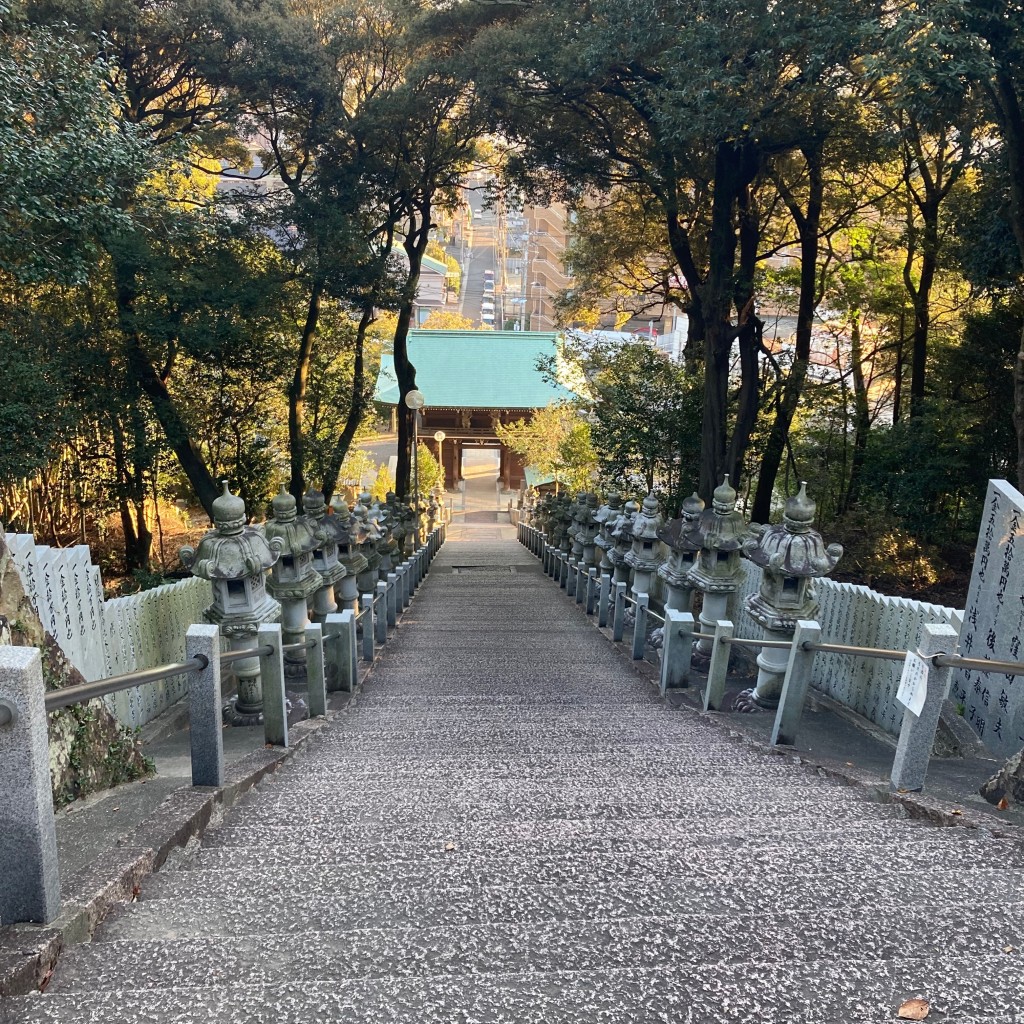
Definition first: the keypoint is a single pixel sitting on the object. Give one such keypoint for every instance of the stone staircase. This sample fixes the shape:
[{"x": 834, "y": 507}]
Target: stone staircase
[{"x": 509, "y": 826}]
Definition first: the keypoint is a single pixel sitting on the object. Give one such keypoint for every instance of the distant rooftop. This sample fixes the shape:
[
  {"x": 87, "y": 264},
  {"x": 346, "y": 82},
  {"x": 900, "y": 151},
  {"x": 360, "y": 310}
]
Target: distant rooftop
[{"x": 477, "y": 370}]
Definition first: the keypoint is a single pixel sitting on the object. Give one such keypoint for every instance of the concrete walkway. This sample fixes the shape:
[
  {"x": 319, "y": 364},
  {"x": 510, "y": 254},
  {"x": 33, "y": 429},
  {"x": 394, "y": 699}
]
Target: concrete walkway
[{"x": 510, "y": 826}]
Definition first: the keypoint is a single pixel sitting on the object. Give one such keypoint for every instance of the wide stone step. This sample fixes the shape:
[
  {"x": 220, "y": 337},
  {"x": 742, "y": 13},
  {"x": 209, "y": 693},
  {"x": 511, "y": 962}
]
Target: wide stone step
[
  {"x": 264, "y": 901},
  {"x": 704, "y": 942},
  {"x": 970, "y": 991},
  {"x": 460, "y": 865},
  {"x": 396, "y": 808},
  {"x": 457, "y": 870},
  {"x": 560, "y": 834}
]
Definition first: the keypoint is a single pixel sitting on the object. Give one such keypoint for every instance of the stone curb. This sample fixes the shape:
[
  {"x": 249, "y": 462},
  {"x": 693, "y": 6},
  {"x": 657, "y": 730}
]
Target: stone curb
[{"x": 29, "y": 953}]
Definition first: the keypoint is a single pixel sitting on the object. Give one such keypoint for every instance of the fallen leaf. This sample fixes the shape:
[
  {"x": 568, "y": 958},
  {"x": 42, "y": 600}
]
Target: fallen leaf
[
  {"x": 449, "y": 847},
  {"x": 913, "y": 1009},
  {"x": 1009, "y": 949},
  {"x": 956, "y": 812},
  {"x": 1003, "y": 804}
]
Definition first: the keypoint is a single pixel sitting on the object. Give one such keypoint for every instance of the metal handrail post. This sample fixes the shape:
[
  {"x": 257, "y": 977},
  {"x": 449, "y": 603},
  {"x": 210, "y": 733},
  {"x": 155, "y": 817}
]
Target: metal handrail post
[
  {"x": 640, "y": 626},
  {"x": 619, "y": 616},
  {"x": 205, "y": 711},
  {"x": 368, "y": 627},
  {"x": 275, "y": 714},
  {"x": 316, "y": 671},
  {"x": 714, "y": 694},
  {"x": 603, "y": 599},
  {"x": 381, "y": 614},
  {"x": 676, "y": 651},
  {"x": 28, "y": 859},
  {"x": 591, "y": 589},
  {"x": 917, "y": 733},
  {"x": 796, "y": 682}
]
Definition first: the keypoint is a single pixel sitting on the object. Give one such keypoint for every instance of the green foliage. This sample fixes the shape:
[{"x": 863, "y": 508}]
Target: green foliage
[
  {"x": 428, "y": 472},
  {"x": 556, "y": 443},
  {"x": 384, "y": 482}
]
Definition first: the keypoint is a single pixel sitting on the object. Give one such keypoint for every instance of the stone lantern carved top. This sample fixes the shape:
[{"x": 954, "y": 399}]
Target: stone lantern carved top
[
  {"x": 682, "y": 534},
  {"x": 231, "y": 550},
  {"x": 792, "y": 547},
  {"x": 325, "y": 556},
  {"x": 721, "y": 527},
  {"x": 622, "y": 533},
  {"x": 645, "y": 553},
  {"x": 347, "y": 530},
  {"x": 610, "y": 509},
  {"x": 296, "y": 534}
]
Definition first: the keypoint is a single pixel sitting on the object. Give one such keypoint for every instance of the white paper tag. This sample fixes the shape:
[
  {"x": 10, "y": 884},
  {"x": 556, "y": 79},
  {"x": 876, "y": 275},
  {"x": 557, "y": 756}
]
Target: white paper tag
[{"x": 913, "y": 683}]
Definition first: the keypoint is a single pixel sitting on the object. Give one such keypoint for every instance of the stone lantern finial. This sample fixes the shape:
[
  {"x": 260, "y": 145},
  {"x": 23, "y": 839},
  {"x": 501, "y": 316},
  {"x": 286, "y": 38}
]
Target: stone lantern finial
[
  {"x": 228, "y": 511},
  {"x": 283, "y": 506}
]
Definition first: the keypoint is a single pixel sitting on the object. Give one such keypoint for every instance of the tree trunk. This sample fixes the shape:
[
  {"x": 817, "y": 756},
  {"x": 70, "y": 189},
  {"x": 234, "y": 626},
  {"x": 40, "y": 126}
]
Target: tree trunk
[
  {"x": 357, "y": 410},
  {"x": 149, "y": 382},
  {"x": 297, "y": 393},
  {"x": 861, "y": 415},
  {"x": 415, "y": 245},
  {"x": 808, "y": 226},
  {"x": 921, "y": 298}
]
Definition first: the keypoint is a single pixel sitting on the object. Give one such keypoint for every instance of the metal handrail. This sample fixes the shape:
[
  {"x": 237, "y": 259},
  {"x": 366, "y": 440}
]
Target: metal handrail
[
  {"x": 654, "y": 615},
  {"x": 1004, "y": 668},
  {"x": 859, "y": 652},
  {"x": 101, "y": 687}
]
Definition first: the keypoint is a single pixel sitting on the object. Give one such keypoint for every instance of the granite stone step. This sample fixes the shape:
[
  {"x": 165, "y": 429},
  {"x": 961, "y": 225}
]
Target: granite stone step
[
  {"x": 229, "y": 845},
  {"x": 700, "y": 941},
  {"x": 455, "y": 809},
  {"x": 970, "y": 991},
  {"x": 322, "y": 900},
  {"x": 462, "y": 865},
  {"x": 456, "y": 869},
  {"x": 558, "y": 833}
]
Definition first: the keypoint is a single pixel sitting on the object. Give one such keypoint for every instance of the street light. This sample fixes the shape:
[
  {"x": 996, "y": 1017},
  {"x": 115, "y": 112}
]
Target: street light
[
  {"x": 415, "y": 401},
  {"x": 439, "y": 437}
]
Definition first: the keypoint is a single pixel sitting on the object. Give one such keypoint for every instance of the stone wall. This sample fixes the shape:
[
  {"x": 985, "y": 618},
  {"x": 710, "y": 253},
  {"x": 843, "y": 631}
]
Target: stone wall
[
  {"x": 105, "y": 638},
  {"x": 89, "y": 749}
]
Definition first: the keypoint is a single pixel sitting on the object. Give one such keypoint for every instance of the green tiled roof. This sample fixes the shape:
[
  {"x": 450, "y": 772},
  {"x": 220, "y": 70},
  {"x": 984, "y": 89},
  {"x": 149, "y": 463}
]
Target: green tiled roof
[
  {"x": 477, "y": 370},
  {"x": 435, "y": 265}
]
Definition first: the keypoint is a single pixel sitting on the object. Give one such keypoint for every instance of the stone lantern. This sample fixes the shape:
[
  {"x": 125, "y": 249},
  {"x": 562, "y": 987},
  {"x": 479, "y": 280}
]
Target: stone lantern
[
  {"x": 792, "y": 555},
  {"x": 367, "y": 538},
  {"x": 234, "y": 558},
  {"x": 606, "y": 517},
  {"x": 325, "y": 555},
  {"x": 573, "y": 527},
  {"x": 562, "y": 521},
  {"x": 293, "y": 580},
  {"x": 682, "y": 538},
  {"x": 586, "y": 529},
  {"x": 622, "y": 534},
  {"x": 346, "y": 591},
  {"x": 717, "y": 571},
  {"x": 645, "y": 555}
]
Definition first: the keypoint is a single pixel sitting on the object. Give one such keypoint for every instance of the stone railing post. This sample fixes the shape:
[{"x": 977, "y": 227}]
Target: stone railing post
[
  {"x": 28, "y": 850},
  {"x": 340, "y": 651},
  {"x": 604, "y": 599},
  {"x": 205, "y": 714},
  {"x": 393, "y": 598},
  {"x": 571, "y": 580},
  {"x": 582, "y": 582},
  {"x": 640, "y": 603},
  {"x": 676, "y": 651},
  {"x": 275, "y": 708},
  {"x": 619, "y": 615},
  {"x": 795, "y": 683},
  {"x": 917, "y": 734},
  {"x": 715, "y": 692},
  {"x": 316, "y": 671},
  {"x": 368, "y": 627},
  {"x": 381, "y": 613},
  {"x": 591, "y": 589}
]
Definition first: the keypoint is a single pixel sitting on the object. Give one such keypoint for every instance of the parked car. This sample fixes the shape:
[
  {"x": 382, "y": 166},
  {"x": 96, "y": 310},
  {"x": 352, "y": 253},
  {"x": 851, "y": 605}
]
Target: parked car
[
  {"x": 488, "y": 287},
  {"x": 487, "y": 316},
  {"x": 489, "y": 275},
  {"x": 487, "y": 304}
]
